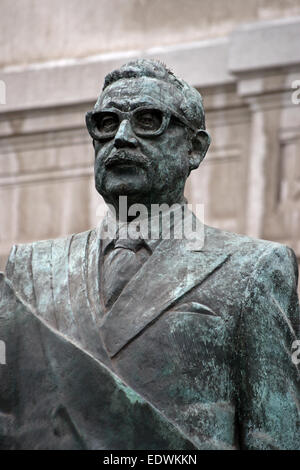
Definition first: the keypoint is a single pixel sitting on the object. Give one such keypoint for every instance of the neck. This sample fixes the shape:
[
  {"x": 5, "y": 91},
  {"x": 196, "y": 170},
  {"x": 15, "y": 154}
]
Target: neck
[{"x": 127, "y": 208}]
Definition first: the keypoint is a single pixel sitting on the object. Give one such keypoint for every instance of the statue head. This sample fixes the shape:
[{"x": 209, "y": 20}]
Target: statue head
[{"x": 148, "y": 130}]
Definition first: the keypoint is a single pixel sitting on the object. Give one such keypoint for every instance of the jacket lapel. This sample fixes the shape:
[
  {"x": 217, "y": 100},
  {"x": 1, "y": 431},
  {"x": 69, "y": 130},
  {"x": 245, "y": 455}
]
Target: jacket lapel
[
  {"x": 92, "y": 271},
  {"x": 168, "y": 274},
  {"x": 84, "y": 306}
]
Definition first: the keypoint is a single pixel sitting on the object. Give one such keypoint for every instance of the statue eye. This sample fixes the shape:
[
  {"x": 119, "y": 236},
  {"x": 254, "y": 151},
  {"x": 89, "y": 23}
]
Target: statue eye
[
  {"x": 148, "y": 120},
  {"x": 108, "y": 123}
]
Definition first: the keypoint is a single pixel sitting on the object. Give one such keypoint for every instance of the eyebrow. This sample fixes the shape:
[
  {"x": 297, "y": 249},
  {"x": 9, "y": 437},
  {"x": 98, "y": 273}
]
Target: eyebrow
[{"x": 132, "y": 105}]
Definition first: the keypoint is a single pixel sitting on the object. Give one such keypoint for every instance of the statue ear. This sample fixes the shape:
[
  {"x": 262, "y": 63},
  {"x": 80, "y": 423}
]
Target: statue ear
[{"x": 200, "y": 144}]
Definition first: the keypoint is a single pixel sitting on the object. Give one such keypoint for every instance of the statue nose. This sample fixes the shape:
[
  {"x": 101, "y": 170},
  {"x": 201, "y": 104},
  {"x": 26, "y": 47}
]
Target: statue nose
[{"x": 125, "y": 136}]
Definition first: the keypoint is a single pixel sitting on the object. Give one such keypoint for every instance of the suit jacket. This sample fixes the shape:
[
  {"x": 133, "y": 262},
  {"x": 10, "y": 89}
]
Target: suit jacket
[{"x": 201, "y": 339}]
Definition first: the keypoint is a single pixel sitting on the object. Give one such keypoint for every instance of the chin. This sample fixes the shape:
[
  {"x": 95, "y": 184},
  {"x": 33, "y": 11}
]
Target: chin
[
  {"x": 122, "y": 190},
  {"x": 123, "y": 185}
]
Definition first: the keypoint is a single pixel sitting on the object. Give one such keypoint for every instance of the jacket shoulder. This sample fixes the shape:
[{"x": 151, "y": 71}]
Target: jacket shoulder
[
  {"x": 243, "y": 245},
  {"x": 30, "y": 266},
  {"x": 253, "y": 257}
]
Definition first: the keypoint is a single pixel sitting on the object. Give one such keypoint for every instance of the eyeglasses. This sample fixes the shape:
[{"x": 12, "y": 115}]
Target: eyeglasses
[{"x": 145, "y": 122}]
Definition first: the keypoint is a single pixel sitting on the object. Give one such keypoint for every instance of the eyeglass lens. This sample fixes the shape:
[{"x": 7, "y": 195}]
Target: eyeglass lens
[{"x": 143, "y": 122}]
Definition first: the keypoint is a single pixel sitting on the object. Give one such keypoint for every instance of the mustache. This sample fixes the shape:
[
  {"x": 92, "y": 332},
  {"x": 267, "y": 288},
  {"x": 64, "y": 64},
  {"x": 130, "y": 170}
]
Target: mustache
[{"x": 126, "y": 157}]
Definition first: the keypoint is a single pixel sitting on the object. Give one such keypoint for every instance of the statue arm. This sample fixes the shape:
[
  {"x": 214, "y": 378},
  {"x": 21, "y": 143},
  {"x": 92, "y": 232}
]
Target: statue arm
[
  {"x": 7, "y": 369},
  {"x": 269, "y": 381},
  {"x": 55, "y": 395}
]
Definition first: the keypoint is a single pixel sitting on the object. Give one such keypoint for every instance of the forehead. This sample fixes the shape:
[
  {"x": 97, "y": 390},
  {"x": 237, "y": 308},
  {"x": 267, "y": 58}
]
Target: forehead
[{"x": 129, "y": 93}]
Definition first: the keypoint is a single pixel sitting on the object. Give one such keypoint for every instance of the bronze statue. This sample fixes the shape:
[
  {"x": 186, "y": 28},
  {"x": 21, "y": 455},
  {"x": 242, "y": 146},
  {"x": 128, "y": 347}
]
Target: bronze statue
[{"x": 144, "y": 342}]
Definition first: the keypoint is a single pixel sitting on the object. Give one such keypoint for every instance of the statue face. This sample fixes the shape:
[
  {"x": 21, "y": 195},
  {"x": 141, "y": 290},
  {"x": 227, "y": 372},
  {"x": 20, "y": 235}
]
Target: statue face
[{"x": 143, "y": 148}]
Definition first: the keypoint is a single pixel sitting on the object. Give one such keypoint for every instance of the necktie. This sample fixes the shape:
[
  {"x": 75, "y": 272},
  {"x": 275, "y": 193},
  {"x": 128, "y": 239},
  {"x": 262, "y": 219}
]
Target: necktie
[{"x": 120, "y": 264}]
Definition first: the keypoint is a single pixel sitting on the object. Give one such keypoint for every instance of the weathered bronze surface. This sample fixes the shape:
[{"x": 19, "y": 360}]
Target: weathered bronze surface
[{"x": 153, "y": 345}]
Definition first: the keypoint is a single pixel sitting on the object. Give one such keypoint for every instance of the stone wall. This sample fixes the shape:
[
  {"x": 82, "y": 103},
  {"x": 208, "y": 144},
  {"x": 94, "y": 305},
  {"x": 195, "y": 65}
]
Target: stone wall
[
  {"x": 44, "y": 30},
  {"x": 250, "y": 179}
]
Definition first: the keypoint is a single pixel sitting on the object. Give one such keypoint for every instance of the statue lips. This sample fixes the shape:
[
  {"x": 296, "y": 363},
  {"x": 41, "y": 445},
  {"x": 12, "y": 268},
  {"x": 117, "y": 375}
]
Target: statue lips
[{"x": 127, "y": 159}]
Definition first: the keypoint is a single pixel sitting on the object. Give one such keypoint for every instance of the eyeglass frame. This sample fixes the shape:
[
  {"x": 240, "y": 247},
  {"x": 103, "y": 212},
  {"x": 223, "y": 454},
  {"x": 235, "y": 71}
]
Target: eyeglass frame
[{"x": 167, "y": 113}]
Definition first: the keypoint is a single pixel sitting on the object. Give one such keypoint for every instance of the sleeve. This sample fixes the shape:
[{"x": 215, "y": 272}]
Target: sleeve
[
  {"x": 55, "y": 395},
  {"x": 7, "y": 370},
  {"x": 269, "y": 387}
]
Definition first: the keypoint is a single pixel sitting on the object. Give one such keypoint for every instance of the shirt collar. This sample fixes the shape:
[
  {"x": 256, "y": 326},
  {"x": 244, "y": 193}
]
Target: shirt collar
[{"x": 157, "y": 225}]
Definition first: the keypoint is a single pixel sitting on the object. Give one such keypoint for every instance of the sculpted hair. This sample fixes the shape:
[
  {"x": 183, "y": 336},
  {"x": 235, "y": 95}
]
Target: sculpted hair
[{"x": 191, "y": 105}]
